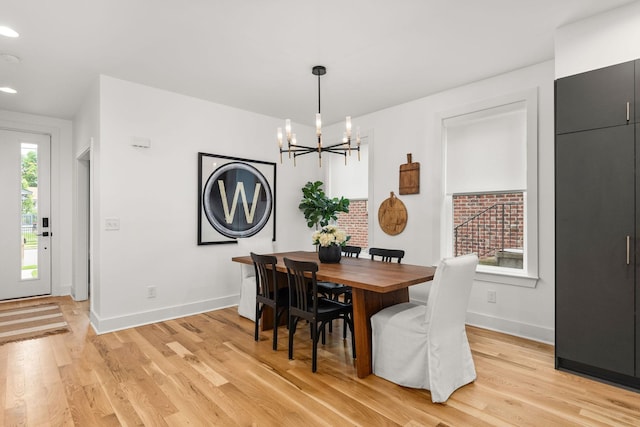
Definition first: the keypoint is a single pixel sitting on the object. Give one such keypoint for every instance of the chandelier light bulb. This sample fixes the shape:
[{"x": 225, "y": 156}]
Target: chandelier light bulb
[
  {"x": 318, "y": 124},
  {"x": 280, "y": 137},
  {"x": 287, "y": 129}
]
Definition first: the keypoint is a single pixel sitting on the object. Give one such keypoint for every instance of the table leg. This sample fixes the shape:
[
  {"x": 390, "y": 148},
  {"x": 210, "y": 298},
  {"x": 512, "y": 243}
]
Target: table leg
[{"x": 366, "y": 304}]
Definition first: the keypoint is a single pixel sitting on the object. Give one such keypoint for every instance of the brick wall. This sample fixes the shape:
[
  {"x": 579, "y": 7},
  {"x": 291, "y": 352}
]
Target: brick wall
[
  {"x": 492, "y": 230},
  {"x": 356, "y": 223}
]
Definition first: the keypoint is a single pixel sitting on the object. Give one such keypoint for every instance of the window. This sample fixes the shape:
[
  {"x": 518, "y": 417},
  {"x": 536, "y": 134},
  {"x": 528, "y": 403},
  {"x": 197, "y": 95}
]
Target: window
[
  {"x": 29, "y": 197},
  {"x": 490, "y": 225},
  {"x": 490, "y": 191},
  {"x": 352, "y": 182}
]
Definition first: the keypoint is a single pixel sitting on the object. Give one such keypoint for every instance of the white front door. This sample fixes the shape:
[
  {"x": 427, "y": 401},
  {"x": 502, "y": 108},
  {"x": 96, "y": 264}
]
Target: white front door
[{"x": 25, "y": 221}]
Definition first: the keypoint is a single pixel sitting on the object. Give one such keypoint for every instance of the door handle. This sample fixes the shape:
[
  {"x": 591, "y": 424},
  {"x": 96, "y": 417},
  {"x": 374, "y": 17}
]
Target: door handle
[
  {"x": 46, "y": 234},
  {"x": 628, "y": 259},
  {"x": 628, "y": 112}
]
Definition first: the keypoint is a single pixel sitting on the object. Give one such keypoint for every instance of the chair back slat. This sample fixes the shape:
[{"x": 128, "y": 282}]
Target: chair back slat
[
  {"x": 351, "y": 251},
  {"x": 299, "y": 290},
  {"x": 265, "y": 267},
  {"x": 387, "y": 255}
]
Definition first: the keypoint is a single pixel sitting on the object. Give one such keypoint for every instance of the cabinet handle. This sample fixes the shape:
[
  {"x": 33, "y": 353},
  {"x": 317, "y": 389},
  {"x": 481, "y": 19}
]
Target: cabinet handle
[
  {"x": 628, "y": 250},
  {"x": 627, "y": 111}
]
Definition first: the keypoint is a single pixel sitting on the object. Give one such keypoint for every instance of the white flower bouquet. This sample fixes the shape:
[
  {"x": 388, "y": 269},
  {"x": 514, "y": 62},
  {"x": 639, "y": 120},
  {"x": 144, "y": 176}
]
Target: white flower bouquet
[{"x": 330, "y": 235}]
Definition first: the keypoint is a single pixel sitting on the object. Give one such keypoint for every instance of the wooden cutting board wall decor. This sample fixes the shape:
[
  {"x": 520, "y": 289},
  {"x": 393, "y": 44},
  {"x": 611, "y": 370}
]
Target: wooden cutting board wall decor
[
  {"x": 392, "y": 215},
  {"x": 410, "y": 177}
]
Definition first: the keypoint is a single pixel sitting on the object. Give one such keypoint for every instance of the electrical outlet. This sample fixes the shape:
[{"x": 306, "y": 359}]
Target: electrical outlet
[
  {"x": 491, "y": 296},
  {"x": 151, "y": 291},
  {"x": 112, "y": 224}
]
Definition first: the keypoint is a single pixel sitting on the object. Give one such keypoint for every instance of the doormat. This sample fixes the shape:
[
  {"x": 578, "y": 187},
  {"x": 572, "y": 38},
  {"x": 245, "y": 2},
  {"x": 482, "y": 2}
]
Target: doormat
[{"x": 36, "y": 321}]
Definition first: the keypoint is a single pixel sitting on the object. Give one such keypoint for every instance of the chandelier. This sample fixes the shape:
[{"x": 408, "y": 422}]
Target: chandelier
[{"x": 343, "y": 148}]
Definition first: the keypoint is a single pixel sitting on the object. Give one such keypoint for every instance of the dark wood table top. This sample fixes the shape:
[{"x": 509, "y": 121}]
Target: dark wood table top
[{"x": 360, "y": 273}]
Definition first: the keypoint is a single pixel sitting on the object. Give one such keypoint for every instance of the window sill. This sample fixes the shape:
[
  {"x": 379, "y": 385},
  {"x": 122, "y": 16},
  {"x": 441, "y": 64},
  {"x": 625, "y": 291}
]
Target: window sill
[{"x": 505, "y": 277}]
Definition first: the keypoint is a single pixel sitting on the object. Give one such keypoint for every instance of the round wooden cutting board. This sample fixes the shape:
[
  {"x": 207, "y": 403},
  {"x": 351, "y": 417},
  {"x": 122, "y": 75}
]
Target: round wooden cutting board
[{"x": 392, "y": 215}]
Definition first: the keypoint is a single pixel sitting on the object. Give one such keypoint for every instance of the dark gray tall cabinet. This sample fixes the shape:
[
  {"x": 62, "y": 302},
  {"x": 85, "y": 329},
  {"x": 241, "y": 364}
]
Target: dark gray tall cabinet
[{"x": 597, "y": 202}]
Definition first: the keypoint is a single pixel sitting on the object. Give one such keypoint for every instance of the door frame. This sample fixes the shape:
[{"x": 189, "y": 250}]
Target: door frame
[
  {"x": 81, "y": 226},
  {"x": 60, "y": 132}
]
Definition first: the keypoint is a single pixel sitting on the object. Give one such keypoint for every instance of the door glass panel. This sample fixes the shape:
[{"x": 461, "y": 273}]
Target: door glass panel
[{"x": 29, "y": 223}]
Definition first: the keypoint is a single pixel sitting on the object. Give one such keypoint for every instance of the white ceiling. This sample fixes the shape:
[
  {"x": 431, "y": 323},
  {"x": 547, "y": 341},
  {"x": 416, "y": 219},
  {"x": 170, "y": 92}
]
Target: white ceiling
[{"x": 257, "y": 54}]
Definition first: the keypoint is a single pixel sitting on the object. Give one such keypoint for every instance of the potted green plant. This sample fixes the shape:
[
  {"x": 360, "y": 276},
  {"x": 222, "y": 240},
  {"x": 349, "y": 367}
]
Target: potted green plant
[{"x": 318, "y": 208}]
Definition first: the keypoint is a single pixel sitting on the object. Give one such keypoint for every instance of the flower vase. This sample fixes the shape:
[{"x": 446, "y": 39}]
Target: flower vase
[{"x": 330, "y": 254}]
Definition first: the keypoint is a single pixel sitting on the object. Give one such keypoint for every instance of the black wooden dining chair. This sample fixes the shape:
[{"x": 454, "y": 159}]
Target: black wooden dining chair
[
  {"x": 387, "y": 255},
  {"x": 268, "y": 294},
  {"x": 307, "y": 304},
  {"x": 333, "y": 290}
]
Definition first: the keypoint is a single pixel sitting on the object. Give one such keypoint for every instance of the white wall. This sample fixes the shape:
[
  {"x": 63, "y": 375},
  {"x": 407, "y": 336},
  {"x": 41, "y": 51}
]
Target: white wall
[
  {"x": 412, "y": 128},
  {"x": 154, "y": 194},
  {"x": 351, "y": 180},
  {"x": 86, "y": 130},
  {"x": 61, "y": 206},
  {"x": 599, "y": 41}
]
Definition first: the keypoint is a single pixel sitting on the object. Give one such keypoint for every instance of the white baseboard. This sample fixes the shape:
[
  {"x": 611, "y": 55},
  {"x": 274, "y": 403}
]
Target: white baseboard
[
  {"x": 111, "y": 324},
  {"x": 506, "y": 326},
  {"x": 61, "y": 290},
  {"x": 512, "y": 327}
]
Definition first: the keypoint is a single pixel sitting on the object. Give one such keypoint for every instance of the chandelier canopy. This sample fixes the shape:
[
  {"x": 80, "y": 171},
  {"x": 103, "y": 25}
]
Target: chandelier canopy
[{"x": 343, "y": 148}]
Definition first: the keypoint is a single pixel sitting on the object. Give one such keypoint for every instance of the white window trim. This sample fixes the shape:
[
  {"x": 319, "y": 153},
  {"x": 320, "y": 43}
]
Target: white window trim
[{"x": 528, "y": 276}]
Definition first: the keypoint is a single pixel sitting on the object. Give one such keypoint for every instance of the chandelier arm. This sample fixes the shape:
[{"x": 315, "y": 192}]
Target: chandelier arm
[
  {"x": 303, "y": 149},
  {"x": 338, "y": 144},
  {"x": 299, "y": 147},
  {"x": 301, "y": 153},
  {"x": 341, "y": 152}
]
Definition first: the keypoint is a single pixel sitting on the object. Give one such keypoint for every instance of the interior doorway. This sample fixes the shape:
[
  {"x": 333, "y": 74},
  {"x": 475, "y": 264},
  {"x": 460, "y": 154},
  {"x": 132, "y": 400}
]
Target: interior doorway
[{"x": 82, "y": 228}]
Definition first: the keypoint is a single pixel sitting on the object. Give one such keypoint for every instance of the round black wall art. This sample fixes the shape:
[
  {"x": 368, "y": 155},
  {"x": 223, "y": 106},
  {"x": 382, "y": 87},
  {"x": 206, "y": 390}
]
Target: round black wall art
[{"x": 237, "y": 200}]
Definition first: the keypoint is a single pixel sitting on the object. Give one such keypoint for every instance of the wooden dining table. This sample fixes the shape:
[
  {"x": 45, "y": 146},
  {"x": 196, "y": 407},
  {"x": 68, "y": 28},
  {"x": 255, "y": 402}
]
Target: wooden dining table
[{"x": 375, "y": 285}]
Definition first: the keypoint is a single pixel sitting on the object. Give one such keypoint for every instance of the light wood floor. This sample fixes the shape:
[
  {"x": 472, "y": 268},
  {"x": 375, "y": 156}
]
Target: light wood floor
[{"x": 207, "y": 370}]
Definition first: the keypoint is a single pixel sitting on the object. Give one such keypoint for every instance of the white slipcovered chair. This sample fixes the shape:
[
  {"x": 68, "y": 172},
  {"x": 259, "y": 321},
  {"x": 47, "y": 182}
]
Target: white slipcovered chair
[
  {"x": 426, "y": 346},
  {"x": 258, "y": 245}
]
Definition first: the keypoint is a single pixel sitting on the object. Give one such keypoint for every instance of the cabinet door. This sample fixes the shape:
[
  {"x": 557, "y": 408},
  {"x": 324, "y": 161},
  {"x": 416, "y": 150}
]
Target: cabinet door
[
  {"x": 638, "y": 254},
  {"x": 595, "y": 198},
  {"x": 595, "y": 99},
  {"x": 637, "y": 103}
]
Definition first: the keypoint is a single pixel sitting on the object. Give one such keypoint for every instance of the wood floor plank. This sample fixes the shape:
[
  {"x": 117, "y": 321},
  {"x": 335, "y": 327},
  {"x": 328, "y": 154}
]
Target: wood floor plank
[
  {"x": 206, "y": 369},
  {"x": 58, "y": 405},
  {"x": 77, "y": 401},
  {"x": 194, "y": 407}
]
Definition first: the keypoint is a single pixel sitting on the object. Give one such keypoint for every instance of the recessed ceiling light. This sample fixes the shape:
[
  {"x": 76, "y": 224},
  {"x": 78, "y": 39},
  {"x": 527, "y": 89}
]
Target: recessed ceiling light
[
  {"x": 7, "y": 89},
  {"x": 8, "y": 32}
]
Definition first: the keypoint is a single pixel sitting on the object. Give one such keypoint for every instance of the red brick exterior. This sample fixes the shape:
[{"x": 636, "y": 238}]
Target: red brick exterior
[
  {"x": 500, "y": 223},
  {"x": 356, "y": 223}
]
